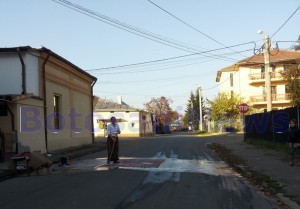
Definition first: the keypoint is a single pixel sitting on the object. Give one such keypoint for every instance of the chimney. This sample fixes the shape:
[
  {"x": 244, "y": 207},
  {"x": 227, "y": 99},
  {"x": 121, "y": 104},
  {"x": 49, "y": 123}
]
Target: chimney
[{"x": 119, "y": 100}]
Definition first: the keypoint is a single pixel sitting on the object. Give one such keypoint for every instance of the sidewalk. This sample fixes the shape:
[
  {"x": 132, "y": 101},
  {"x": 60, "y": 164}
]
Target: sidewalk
[
  {"x": 71, "y": 153},
  {"x": 269, "y": 162}
]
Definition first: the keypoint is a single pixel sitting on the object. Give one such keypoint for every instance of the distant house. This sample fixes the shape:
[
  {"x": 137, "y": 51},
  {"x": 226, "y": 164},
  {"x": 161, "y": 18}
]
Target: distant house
[
  {"x": 247, "y": 78},
  {"x": 45, "y": 100},
  {"x": 133, "y": 122}
]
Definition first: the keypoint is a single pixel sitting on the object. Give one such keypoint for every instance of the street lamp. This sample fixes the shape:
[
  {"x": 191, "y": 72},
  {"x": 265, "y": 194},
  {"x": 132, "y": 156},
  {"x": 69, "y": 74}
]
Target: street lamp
[
  {"x": 200, "y": 109},
  {"x": 267, "y": 70}
]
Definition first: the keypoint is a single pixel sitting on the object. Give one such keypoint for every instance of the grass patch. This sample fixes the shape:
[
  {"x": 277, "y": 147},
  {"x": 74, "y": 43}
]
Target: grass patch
[
  {"x": 204, "y": 133},
  {"x": 260, "y": 143}
]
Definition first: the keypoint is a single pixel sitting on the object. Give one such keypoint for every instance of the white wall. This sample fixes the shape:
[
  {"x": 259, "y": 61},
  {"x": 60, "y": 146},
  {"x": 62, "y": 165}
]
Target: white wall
[
  {"x": 11, "y": 74},
  {"x": 240, "y": 83},
  {"x": 131, "y": 126},
  {"x": 32, "y": 74}
]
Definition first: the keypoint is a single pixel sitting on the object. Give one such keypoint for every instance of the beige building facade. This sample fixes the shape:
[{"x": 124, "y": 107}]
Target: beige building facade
[
  {"x": 49, "y": 106},
  {"x": 247, "y": 79}
]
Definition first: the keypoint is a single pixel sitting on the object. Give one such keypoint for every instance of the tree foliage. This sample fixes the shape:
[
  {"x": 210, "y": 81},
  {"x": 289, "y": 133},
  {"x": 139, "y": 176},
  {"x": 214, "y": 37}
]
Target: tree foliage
[
  {"x": 192, "y": 112},
  {"x": 292, "y": 76},
  {"x": 162, "y": 110},
  {"x": 189, "y": 115},
  {"x": 225, "y": 106},
  {"x": 297, "y": 46}
]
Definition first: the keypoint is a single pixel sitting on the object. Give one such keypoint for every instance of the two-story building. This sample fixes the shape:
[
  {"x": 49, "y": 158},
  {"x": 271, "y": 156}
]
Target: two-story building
[
  {"x": 46, "y": 102},
  {"x": 247, "y": 79}
]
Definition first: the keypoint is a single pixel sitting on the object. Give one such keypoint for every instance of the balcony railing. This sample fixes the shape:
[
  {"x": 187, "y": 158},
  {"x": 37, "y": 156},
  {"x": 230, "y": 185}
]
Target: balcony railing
[
  {"x": 259, "y": 76},
  {"x": 275, "y": 98}
]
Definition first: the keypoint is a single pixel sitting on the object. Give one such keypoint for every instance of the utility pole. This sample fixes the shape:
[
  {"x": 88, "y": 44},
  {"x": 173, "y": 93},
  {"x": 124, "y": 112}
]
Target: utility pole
[
  {"x": 268, "y": 73},
  {"x": 200, "y": 110}
]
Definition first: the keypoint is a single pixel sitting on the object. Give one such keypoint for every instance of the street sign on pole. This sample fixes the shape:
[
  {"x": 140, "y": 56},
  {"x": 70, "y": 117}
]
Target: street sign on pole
[{"x": 244, "y": 108}]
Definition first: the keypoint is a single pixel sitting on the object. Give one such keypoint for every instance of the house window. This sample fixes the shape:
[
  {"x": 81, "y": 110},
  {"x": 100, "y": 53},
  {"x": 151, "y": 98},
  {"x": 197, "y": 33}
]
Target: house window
[
  {"x": 231, "y": 79},
  {"x": 287, "y": 89},
  {"x": 273, "y": 90},
  {"x": 56, "y": 110},
  {"x": 264, "y": 94},
  {"x": 262, "y": 71}
]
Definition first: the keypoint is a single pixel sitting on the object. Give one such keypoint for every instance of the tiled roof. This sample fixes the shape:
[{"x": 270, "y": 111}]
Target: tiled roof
[
  {"x": 275, "y": 56},
  {"x": 228, "y": 68},
  {"x": 109, "y": 105},
  {"x": 16, "y": 97}
]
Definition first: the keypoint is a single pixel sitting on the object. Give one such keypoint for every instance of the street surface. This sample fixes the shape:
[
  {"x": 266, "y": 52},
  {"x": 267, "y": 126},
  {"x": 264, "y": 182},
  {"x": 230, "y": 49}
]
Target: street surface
[{"x": 175, "y": 171}]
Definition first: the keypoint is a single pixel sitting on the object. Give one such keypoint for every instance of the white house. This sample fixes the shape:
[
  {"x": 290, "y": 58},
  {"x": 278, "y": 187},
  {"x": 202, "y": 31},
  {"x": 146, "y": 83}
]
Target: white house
[{"x": 133, "y": 122}]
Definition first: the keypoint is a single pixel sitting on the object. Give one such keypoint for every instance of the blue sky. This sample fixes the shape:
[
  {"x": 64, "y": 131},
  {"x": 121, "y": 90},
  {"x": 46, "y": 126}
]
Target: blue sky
[{"x": 95, "y": 46}]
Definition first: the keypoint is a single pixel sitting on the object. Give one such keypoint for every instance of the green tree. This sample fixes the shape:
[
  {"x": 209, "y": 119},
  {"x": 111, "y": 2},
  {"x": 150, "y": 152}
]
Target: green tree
[
  {"x": 189, "y": 116},
  {"x": 297, "y": 46},
  {"x": 225, "y": 106},
  {"x": 192, "y": 111},
  {"x": 292, "y": 76}
]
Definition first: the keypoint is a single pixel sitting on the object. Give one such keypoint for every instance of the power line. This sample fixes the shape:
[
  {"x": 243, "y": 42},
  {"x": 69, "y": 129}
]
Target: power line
[
  {"x": 124, "y": 26},
  {"x": 157, "y": 79},
  {"x": 285, "y": 22},
  {"x": 129, "y": 28},
  {"x": 91, "y": 14},
  {"x": 170, "y": 58},
  {"x": 160, "y": 69},
  {"x": 185, "y": 23}
]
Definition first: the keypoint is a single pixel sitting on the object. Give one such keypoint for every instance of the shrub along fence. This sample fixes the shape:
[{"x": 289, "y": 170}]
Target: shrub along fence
[{"x": 271, "y": 126}]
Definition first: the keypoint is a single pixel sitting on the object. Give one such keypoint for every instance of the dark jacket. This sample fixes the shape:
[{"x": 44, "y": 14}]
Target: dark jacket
[{"x": 293, "y": 135}]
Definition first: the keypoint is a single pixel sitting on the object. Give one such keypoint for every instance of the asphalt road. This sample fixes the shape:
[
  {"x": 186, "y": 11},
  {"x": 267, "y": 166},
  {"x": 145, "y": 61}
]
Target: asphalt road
[{"x": 177, "y": 171}]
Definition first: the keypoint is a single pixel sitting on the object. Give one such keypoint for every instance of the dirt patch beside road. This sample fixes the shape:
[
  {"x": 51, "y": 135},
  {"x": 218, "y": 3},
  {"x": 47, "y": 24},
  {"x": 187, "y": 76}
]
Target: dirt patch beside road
[{"x": 269, "y": 186}]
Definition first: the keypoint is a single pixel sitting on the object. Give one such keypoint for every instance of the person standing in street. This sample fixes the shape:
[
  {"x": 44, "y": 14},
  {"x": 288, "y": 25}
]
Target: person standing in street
[
  {"x": 293, "y": 140},
  {"x": 113, "y": 130}
]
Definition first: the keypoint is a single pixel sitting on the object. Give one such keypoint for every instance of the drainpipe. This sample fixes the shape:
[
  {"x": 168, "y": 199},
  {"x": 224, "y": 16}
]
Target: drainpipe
[
  {"x": 23, "y": 72},
  {"x": 45, "y": 99},
  {"x": 13, "y": 127},
  {"x": 92, "y": 109}
]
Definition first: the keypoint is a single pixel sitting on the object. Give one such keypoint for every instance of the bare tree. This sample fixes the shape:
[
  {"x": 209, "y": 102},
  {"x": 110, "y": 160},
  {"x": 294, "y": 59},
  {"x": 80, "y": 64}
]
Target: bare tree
[{"x": 162, "y": 110}]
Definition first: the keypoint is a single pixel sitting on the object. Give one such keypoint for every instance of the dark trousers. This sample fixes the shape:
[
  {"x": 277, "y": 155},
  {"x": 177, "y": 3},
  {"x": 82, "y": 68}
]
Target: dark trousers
[
  {"x": 112, "y": 148},
  {"x": 293, "y": 151}
]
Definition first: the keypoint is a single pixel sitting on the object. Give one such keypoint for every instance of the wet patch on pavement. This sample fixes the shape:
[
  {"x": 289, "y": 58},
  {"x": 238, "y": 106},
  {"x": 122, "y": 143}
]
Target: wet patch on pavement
[{"x": 172, "y": 165}]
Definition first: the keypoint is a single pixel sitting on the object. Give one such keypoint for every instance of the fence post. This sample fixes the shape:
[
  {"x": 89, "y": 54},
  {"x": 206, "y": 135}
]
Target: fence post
[
  {"x": 2, "y": 146},
  {"x": 298, "y": 115}
]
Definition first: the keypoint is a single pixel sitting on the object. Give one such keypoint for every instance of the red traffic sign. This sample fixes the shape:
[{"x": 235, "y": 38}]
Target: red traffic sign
[{"x": 244, "y": 108}]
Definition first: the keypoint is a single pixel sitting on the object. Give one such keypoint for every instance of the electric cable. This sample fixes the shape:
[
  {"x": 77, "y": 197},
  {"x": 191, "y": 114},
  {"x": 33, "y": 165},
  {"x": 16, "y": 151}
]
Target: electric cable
[
  {"x": 190, "y": 26},
  {"x": 285, "y": 22},
  {"x": 126, "y": 27},
  {"x": 170, "y": 58}
]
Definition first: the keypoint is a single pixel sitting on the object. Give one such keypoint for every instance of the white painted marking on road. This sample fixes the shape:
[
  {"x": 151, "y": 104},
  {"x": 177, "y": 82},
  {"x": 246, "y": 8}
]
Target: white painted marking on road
[{"x": 161, "y": 164}]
